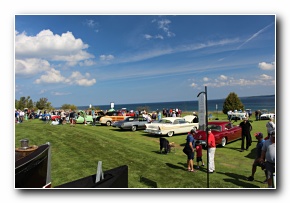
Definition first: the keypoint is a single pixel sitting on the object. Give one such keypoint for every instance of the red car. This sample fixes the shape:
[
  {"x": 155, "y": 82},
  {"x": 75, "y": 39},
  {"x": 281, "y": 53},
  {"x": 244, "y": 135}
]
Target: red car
[
  {"x": 224, "y": 132},
  {"x": 55, "y": 117}
]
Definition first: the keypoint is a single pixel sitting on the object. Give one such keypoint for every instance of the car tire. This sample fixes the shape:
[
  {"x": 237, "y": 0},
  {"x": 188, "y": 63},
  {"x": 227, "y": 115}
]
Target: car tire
[
  {"x": 170, "y": 133},
  {"x": 108, "y": 123},
  {"x": 224, "y": 141},
  {"x": 134, "y": 128}
]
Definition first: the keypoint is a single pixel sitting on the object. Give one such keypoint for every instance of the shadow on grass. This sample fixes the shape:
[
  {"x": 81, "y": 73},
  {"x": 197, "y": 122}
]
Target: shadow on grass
[
  {"x": 238, "y": 180},
  {"x": 177, "y": 167},
  {"x": 148, "y": 182}
]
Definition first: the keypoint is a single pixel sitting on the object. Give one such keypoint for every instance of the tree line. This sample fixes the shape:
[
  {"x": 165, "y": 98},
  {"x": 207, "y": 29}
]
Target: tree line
[{"x": 42, "y": 103}]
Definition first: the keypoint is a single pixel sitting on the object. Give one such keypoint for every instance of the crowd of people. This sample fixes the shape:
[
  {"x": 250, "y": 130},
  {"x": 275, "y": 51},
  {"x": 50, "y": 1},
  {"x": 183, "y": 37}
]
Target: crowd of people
[{"x": 265, "y": 151}]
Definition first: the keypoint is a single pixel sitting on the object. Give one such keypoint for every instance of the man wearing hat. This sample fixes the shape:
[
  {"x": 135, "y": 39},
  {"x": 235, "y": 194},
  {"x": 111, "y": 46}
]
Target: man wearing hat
[
  {"x": 257, "y": 162},
  {"x": 246, "y": 129}
]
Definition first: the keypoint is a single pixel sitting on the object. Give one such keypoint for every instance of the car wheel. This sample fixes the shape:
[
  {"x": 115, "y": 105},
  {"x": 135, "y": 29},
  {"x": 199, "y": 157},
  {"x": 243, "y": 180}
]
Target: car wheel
[
  {"x": 108, "y": 123},
  {"x": 170, "y": 133},
  {"x": 134, "y": 128},
  {"x": 224, "y": 141}
]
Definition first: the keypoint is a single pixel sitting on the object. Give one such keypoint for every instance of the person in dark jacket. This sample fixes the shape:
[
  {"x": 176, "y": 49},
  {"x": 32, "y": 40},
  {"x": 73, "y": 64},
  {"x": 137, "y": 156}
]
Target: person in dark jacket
[{"x": 246, "y": 133}]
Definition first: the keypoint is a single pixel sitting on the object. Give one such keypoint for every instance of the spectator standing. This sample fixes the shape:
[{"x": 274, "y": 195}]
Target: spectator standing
[
  {"x": 159, "y": 116},
  {"x": 268, "y": 156},
  {"x": 211, "y": 151},
  {"x": 257, "y": 162},
  {"x": 189, "y": 147},
  {"x": 270, "y": 125},
  {"x": 63, "y": 117},
  {"x": 246, "y": 134},
  {"x": 94, "y": 117},
  {"x": 72, "y": 118},
  {"x": 198, "y": 149}
]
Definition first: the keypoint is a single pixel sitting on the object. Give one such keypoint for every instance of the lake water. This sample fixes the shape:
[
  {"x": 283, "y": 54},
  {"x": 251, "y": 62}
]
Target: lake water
[{"x": 253, "y": 102}]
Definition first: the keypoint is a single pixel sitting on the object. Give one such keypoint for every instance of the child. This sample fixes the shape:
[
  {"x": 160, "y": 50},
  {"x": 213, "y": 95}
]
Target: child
[{"x": 198, "y": 149}]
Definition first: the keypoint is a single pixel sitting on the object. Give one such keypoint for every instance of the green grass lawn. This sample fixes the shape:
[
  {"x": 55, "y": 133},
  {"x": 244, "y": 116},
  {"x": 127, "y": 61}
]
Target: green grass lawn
[{"x": 77, "y": 150}]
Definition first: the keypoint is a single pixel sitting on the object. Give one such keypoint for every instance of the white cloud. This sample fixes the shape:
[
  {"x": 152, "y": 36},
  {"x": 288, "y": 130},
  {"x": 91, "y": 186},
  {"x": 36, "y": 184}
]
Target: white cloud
[
  {"x": 164, "y": 25},
  {"x": 79, "y": 79},
  {"x": 223, "y": 77},
  {"x": 193, "y": 85},
  {"x": 106, "y": 57},
  {"x": 223, "y": 81},
  {"x": 31, "y": 66},
  {"x": 76, "y": 78},
  {"x": 87, "y": 63},
  {"x": 265, "y": 77},
  {"x": 60, "y": 93},
  {"x": 148, "y": 37},
  {"x": 51, "y": 76},
  {"x": 49, "y": 46},
  {"x": 205, "y": 79},
  {"x": 267, "y": 66}
]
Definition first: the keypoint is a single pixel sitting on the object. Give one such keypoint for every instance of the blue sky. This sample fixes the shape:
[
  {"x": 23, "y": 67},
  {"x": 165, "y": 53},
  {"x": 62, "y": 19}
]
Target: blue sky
[{"x": 98, "y": 59}]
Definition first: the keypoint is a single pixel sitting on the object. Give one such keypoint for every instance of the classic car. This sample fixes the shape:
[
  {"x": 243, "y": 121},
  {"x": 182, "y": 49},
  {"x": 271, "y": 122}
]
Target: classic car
[
  {"x": 266, "y": 115},
  {"x": 110, "y": 117},
  {"x": 131, "y": 123},
  {"x": 224, "y": 132},
  {"x": 55, "y": 117},
  {"x": 80, "y": 119},
  {"x": 170, "y": 126}
]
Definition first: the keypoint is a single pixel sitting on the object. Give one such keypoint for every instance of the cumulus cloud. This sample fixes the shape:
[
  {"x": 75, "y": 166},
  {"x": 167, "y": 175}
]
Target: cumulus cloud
[
  {"x": 33, "y": 55},
  {"x": 265, "y": 77},
  {"x": 51, "y": 76},
  {"x": 76, "y": 78},
  {"x": 31, "y": 66},
  {"x": 267, "y": 66},
  {"x": 79, "y": 79},
  {"x": 50, "y": 46}
]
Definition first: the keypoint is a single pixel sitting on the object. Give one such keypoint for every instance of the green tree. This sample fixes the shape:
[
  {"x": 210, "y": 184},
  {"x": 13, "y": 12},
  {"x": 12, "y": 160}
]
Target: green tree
[
  {"x": 232, "y": 102},
  {"x": 69, "y": 106},
  {"x": 43, "y": 104},
  {"x": 24, "y": 102}
]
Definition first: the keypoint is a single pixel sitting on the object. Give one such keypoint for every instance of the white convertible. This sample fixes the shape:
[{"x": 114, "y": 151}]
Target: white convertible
[{"x": 172, "y": 125}]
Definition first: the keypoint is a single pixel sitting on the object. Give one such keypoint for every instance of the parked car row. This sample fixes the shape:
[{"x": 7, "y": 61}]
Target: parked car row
[{"x": 224, "y": 131}]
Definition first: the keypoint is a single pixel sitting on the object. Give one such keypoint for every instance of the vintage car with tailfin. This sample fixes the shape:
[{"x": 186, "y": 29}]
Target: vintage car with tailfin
[{"x": 223, "y": 131}]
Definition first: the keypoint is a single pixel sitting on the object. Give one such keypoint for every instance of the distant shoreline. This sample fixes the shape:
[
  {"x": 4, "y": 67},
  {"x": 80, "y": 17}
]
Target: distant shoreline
[
  {"x": 272, "y": 95},
  {"x": 250, "y": 102}
]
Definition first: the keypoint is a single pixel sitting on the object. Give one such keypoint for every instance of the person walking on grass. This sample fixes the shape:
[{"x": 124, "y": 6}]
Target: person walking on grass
[
  {"x": 257, "y": 162},
  {"x": 198, "y": 149}
]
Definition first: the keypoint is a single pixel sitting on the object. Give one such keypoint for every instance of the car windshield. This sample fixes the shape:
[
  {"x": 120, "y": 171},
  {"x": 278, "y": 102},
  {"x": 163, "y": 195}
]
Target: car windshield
[
  {"x": 215, "y": 128},
  {"x": 165, "y": 121}
]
